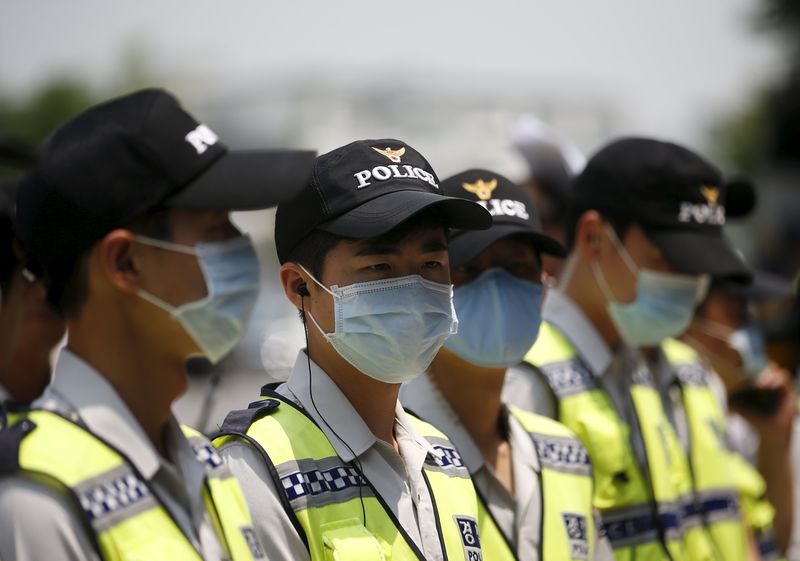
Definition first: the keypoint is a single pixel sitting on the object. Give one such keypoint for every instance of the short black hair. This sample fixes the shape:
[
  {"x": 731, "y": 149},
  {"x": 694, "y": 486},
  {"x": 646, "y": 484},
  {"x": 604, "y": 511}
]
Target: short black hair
[
  {"x": 75, "y": 290},
  {"x": 619, "y": 222}
]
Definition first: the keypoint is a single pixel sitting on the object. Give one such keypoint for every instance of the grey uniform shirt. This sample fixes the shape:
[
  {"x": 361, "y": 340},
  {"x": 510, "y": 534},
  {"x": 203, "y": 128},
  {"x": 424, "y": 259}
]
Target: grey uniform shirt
[
  {"x": 397, "y": 478},
  {"x": 528, "y": 389},
  {"x": 40, "y": 521},
  {"x": 518, "y": 514}
]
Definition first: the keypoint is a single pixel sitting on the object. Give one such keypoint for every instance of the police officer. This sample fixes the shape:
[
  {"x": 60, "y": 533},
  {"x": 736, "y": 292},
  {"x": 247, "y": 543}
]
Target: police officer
[
  {"x": 532, "y": 474},
  {"x": 125, "y": 217},
  {"x": 331, "y": 465},
  {"x": 726, "y": 339},
  {"x": 29, "y": 328},
  {"x": 647, "y": 236}
]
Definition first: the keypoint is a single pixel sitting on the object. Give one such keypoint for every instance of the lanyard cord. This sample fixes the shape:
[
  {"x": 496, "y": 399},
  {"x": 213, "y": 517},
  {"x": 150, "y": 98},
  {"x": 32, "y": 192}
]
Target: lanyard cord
[{"x": 355, "y": 463}]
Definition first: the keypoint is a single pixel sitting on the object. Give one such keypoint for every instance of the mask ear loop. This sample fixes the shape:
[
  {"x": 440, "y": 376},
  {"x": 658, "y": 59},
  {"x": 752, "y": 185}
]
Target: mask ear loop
[
  {"x": 626, "y": 258},
  {"x": 356, "y": 463}
]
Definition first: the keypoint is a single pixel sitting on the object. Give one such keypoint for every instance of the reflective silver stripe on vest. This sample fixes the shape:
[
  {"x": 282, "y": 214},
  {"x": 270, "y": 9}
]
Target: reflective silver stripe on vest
[
  {"x": 714, "y": 505},
  {"x": 113, "y": 496},
  {"x": 636, "y": 525},
  {"x": 562, "y": 453},
  {"x": 568, "y": 377},
  {"x": 315, "y": 483},
  {"x": 447, "y": 460}
]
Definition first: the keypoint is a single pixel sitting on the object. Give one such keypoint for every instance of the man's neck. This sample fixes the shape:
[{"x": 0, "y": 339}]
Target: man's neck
[
  {"x": 373, "y": 400},
  {"x": 146, "y": 380},
  {"x": 474, "y": 392},
  {"x": 579, "y": 285}
]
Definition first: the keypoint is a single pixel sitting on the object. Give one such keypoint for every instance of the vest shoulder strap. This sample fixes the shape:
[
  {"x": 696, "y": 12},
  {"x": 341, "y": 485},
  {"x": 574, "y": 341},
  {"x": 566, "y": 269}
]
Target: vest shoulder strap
[
  {"x": 239, "y": 421},
  {"x": 685, "y": 363},
  {"x": 555, "y": 357},
  {"x": 10, "y": 440},
  {"x": 558, "y": 447},
  {"x": 550, "y": 346}
]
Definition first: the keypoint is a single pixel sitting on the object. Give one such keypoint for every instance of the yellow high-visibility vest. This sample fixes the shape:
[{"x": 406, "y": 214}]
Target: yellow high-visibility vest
[
  {"x": 568, "y": 525},
  {"x": 644, "y": 508},
  {"x": 333, "y": 507},
  {"x": 729, "y": 491},
  {"x": 127, "y": 519}
]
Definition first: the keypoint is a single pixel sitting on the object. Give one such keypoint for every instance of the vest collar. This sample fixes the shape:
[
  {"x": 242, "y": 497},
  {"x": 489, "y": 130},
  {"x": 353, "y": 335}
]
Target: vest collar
[
  {"x": 82, "y": 394},
  {"x": 340, "y": 416}
]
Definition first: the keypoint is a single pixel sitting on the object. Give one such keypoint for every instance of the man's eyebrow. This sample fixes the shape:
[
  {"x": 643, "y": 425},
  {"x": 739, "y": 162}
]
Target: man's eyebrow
[
  {"x": 433, "y": 246},
  {"x": 378, "y": 249}
]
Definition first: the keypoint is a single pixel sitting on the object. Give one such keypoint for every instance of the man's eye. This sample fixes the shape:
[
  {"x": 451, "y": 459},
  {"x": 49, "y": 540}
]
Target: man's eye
[
  {"x": 433, "y": 264},
  {"x": 379, "y": 267}
]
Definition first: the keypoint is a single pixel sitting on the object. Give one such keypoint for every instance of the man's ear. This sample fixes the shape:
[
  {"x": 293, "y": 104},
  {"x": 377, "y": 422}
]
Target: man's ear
[
  {"x": 117, "y": 260},
  {"x": 296, "y": 284},
  {"x": 589, "y": 235}
]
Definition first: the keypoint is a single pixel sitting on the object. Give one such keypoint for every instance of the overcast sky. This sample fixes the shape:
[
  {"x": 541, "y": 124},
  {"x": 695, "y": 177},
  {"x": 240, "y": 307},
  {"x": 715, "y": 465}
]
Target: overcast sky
[{"x": 670, "y": 67}]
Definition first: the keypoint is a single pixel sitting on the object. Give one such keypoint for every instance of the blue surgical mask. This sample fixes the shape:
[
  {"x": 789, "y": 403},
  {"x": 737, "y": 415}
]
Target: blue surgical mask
[
  {"x": 499, "y": 316},
  {"x": 231, "y": 270},
  {"x": 664, "y": 304},
  {"x": 390, "y": 329}
]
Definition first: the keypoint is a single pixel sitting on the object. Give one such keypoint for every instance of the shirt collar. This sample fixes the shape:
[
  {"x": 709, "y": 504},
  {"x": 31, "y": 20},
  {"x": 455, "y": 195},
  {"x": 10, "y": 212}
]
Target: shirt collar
[
  {"x": 81, "y": 393},
  {"x": 4, "y": 395},
  {"x": 335, "y": 415},
  {"x": 559, "y": 310},
  {"x": 423, "y": 398}
]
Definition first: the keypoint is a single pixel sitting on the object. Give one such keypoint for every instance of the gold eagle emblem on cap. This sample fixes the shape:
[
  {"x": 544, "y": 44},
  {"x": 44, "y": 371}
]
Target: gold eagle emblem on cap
[
  {"x": 711, "y": 194},
  {"x": 483, "y": 189},
  {"x": 393, "y": 155}
]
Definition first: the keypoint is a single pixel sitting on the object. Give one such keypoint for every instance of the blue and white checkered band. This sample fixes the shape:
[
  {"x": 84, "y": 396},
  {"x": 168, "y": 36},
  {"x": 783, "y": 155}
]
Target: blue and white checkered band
[
  {"x": 322, "y": 482},
  {"x": 316, "y": 482},
  {"x": 448, "y": 456},
  {"x": 577, "y": 534},
  {"x": 445, "y": 458},
  {"x": 562, "y": 453},
  {"x": 112, "y": 496},
  {"x": 207, "y": 454},
  {"x": 691, "y": 373},
  {"x": 568, "y": 378}
]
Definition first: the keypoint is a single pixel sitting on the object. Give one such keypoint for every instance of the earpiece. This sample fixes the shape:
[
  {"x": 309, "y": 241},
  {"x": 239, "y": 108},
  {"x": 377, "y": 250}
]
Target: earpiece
[{"x": 302, "y": 289}]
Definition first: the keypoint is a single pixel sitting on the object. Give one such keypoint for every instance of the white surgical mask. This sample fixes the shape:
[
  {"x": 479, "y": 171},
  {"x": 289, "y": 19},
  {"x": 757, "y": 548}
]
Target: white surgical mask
[
  {"x": 231, "y": 270},
  {"x": 747, "y": 341},
  {"x": 664, "y": 304},
  {"x": 390, "y": 329}
]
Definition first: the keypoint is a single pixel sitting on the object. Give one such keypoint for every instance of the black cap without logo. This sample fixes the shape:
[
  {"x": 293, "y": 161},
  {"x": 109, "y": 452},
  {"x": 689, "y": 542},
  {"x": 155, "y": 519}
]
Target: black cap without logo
[
  {"x": 365, "y": 189},
  {"x": 512, "y": 213},
  {"x": 675, "y": 195},
  {"x": 129, "y": 155}
]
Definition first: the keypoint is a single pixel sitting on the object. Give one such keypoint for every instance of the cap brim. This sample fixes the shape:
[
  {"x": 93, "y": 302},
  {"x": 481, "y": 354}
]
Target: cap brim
[
  {"x": 765, "y": 286},
  {"x": 247, "y": 180},
  {"x": 465, "y": 246},
  {"x": 698, "y": 253},
  {"x": 381, "y": 214}
]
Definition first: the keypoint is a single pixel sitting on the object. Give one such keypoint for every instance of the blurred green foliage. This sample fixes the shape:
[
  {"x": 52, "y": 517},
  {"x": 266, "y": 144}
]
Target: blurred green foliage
[
  {"x": 767, "y": 130},
  {"x": 24, "y": 123}
]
